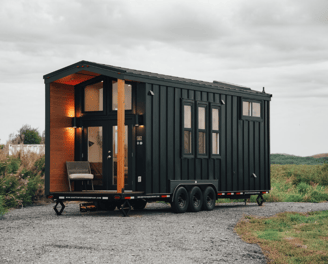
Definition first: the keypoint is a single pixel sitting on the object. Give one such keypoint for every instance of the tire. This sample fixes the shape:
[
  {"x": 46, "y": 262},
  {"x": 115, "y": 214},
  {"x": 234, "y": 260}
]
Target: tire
[
  {"x": 209, "y": 199},
  {"x": 181, "y": 201},
  {"x": 139, "y": 204},
  {"x": 195, "y": 199}
]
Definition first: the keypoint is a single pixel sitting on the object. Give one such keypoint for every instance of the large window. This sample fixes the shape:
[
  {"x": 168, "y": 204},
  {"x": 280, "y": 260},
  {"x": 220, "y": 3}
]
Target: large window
[
  {"x": 127, "y": 93},
  {"x": 94, "y": 97},
  {"x": 215, "y": 130},
  {"x": 188, "y": 123},
  {"x": 251, "y": 108}
]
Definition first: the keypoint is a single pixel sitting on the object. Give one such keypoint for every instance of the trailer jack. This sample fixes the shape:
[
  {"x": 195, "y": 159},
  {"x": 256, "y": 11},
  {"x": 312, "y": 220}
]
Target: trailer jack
[
  {"x": 62, "y": 207},
  {"x": 125, "y": 208},
  {"x": 260, "y": 200}
]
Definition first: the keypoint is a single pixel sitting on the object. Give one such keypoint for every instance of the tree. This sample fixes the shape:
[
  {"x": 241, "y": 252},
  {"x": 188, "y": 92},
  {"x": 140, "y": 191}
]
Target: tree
[{"x": 26, "y": 135}]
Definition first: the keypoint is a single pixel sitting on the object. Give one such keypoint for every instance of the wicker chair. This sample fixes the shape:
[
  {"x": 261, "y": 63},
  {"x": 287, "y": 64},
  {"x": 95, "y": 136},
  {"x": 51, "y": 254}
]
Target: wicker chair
[{"x": 79, "y": 171}]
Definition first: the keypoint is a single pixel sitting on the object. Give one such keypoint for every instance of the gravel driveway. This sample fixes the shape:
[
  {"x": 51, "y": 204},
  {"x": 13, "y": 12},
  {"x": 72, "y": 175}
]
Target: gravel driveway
[{"x": 155, "y": 235}]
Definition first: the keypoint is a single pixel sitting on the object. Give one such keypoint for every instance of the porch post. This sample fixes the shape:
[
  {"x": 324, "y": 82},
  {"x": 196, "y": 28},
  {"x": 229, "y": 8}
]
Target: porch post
[{"x": 120, "y": 134}]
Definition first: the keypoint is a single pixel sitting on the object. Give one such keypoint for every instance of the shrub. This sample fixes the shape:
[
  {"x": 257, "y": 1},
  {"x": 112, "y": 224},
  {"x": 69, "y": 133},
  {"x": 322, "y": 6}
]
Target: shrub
[
  {"x": 317, "y": 196},
  {"x": 303, "y": 188},
  {"x": 2, "y": 206},
  {"x": 40, "y": 165},
  {"x": 294, "y": 198}
]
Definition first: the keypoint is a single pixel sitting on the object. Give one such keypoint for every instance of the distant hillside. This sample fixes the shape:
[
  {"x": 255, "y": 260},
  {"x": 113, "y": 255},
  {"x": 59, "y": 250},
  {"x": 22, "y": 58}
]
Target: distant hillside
[
  {"x": 284, "y": 159},
  {"x": 323, "y": 155}
]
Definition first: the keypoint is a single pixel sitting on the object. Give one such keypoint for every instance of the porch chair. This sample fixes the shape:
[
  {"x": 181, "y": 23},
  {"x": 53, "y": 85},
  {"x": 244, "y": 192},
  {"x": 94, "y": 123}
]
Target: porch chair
[{"x": 79, "y": 170}]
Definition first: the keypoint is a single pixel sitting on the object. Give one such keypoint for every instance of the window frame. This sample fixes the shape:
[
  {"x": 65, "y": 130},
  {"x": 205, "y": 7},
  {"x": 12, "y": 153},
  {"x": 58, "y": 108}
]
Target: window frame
[
  {"x": 215, "y": 106},
  {"x": 192, "y": 129},
  {"x": 206, "y": 105},
  {"x": 110, "y": 99},
  {"x": 105, "y": 91},
  {"x": 251, "y": 118}
]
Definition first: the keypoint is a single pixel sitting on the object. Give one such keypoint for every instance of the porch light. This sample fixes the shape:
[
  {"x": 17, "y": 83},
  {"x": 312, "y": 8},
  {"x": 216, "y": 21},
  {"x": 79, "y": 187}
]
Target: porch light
[
  {"x": 76, "y": 122},
  {"x": 139, "y": 120}
]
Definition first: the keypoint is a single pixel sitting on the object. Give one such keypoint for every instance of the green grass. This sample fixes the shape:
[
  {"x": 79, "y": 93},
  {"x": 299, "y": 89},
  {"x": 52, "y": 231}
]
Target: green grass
[
  {"x": 289, "y": 237},
  {"x": 287, "y": 159},
  {"x": 295, "y": 183}
]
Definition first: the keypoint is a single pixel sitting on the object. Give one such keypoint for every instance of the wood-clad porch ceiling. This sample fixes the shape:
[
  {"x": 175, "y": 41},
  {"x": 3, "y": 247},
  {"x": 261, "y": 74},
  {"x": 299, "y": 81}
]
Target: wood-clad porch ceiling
[{"x": 76, "y": 78}]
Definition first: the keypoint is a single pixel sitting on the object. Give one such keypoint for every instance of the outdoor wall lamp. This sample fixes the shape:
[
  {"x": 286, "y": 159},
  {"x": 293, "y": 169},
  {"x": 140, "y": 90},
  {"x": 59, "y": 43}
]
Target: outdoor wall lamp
[
  {"x": 76, "y": 122},
  {"x": 138, "y": 120}
]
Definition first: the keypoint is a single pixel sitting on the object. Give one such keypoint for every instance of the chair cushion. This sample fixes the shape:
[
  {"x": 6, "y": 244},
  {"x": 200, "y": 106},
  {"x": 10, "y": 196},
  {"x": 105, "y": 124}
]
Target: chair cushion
[{"x": 81, "y": 176}]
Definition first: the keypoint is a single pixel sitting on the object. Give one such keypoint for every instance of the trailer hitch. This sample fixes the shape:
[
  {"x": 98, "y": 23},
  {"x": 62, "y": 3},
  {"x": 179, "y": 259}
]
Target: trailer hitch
[
  {"x": 125, "y": 208},
  {"x": 62, "y": 207}
]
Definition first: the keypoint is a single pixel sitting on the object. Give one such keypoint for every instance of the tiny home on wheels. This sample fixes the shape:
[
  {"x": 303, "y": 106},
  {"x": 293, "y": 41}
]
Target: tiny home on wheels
[{"x": 149, "y": 137}]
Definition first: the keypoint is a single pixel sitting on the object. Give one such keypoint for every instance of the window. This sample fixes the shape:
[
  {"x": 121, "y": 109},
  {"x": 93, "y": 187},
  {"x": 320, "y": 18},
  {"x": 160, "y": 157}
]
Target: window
[
  {"x": 187, "y": 142},
  {"x": 201, "y": 130},
  {"x": 187, "y": 137},
  {"x": 202, "y": 124},
  {"x": 215, "y": 130},
  {"x": 94, "y": 97},
  {"x": 128, "y": 96},
  {"x": 252, "y": 109}
]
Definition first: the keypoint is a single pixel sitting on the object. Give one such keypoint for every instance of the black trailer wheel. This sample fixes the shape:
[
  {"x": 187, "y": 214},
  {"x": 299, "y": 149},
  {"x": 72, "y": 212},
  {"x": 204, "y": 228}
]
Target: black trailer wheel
[
  {"x": 195, "y": 199},
  {"x": 260, "y": 200},
  {"x": 209, "y": 199},
  {"x": 181, "y": 201},
  {"x": 138, "y": 204}
]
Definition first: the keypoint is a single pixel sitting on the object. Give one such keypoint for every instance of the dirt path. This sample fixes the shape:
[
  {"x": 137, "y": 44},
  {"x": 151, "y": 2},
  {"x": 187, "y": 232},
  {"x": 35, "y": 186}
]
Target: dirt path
[{"x": 155, "y": 235}]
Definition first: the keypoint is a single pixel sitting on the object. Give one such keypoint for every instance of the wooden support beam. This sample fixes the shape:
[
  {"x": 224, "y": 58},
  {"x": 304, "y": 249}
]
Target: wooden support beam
[{"x": 120, "y": 134}]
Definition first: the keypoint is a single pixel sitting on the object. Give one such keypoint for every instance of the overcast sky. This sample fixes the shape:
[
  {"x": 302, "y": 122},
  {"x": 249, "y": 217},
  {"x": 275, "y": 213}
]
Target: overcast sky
[{"x": 281, "y": 45}]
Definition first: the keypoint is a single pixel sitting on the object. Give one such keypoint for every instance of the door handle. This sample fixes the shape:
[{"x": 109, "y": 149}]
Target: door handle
[{"x": 109, "y": 156}]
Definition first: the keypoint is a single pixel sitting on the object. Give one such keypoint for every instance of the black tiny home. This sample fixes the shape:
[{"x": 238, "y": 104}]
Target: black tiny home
[{"x": 186, "y": 142}]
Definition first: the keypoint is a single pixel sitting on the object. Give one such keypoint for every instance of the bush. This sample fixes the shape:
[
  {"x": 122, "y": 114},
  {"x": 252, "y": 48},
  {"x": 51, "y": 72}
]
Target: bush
[
  {"x": 2, "y": 206},
  {"x": 9, "y": 166},
  {"x": 303, "y": 188},
  {"x": 21, "y": 180},
  {"x": 40, "y": 165}
]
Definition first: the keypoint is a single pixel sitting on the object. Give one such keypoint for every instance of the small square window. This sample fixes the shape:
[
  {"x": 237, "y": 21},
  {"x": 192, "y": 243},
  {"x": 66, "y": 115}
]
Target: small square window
[{"x": 251, "y": 109}]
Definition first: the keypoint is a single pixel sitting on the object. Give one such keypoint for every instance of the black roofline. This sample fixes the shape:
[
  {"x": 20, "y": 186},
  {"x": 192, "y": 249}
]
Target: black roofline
[{"x": 142, "y": 76}]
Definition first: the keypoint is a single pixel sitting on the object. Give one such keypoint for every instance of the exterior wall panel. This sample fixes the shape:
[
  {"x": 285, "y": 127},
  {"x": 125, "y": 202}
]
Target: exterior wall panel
[
  {"x": 61, "y": 134},
  {"x": 243, "y": 143}
]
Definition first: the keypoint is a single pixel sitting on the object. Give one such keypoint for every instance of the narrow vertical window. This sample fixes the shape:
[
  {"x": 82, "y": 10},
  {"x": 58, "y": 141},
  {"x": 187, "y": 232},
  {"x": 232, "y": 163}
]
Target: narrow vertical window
[
  {"x": 201, "y": 130},
  {"x": 215, "y": 131},
  {"x": 187, "y": 133}
]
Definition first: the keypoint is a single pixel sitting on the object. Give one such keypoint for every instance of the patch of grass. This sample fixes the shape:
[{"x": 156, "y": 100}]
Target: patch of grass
[
  {"x": 288, "y": 159},
  {"x": 289, "y": 237},
  {"x": 295, "y": 183}
]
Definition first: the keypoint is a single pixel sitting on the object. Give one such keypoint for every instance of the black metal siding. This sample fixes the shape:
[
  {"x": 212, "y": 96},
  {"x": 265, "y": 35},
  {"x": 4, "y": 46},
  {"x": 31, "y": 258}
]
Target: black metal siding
[{"x": 244, "y": 143}]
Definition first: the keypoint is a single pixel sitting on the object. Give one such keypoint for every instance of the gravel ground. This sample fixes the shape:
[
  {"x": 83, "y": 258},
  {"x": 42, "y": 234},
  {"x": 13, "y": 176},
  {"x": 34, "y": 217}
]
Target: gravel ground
[{"x": 155, "y": 235}]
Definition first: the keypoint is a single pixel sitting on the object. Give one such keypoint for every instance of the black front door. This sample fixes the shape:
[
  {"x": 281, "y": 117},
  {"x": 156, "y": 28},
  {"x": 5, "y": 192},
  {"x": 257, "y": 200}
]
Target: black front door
[{"x": 99, "y": 147}]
